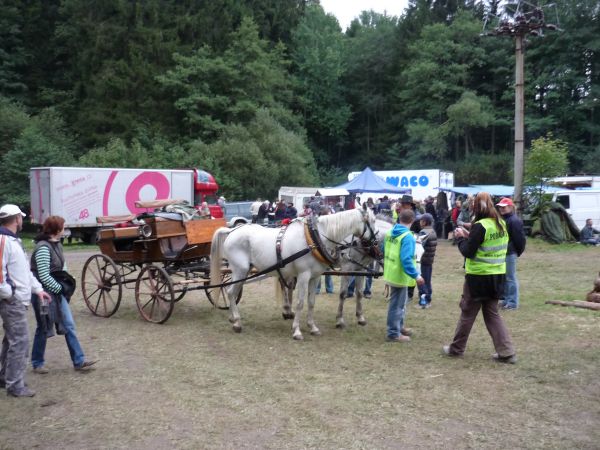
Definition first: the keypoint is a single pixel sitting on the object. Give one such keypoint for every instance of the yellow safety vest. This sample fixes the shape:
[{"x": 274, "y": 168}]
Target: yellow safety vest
[
  {"x": 490, "y": 258},
  {"x": 393, "y": 271}
]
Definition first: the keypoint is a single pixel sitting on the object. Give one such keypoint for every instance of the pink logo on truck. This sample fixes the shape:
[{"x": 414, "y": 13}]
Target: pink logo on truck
[{"x": 155, "y": 179}]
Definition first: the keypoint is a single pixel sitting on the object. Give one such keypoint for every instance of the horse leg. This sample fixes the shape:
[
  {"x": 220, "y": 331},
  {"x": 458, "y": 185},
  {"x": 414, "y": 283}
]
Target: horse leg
[
  {"x": 312, "y": 285},
  {"x": 360, "y": 282},
  {"x": 232, "y": 293},
  {"x": 340, "y": 322},
  {"x": 287, "y": 299},
  {"x": 302, "y": 287}
]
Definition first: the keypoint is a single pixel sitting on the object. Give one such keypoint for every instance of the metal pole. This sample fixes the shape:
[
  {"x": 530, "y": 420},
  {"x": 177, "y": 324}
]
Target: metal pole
[{"x": 519, "y": 121}]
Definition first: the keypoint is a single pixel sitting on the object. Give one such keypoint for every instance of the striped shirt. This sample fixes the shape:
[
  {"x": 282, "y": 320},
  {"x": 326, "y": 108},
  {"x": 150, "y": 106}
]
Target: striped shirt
[{"x": 42, "y": 261}]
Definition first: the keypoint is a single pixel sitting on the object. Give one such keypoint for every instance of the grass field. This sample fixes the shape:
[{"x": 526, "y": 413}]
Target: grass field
[{"x": 193, "y": 383}]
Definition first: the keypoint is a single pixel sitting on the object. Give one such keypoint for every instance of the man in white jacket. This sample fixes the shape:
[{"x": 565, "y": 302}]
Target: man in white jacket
[{"x": 17, "y": 283}]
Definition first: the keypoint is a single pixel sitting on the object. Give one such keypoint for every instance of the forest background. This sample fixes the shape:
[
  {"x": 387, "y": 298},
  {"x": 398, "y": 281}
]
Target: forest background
[{"x": 264, "y": 93}]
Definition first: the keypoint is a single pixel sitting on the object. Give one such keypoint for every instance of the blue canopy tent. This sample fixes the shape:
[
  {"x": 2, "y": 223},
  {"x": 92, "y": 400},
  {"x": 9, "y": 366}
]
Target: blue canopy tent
[{"x": 367, "y": 181}]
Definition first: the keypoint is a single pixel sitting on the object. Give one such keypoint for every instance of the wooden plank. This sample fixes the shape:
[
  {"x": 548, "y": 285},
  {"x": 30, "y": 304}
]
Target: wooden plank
[
  {"x": 201, "y": 231},
  {"x": 576, "y": 304}
]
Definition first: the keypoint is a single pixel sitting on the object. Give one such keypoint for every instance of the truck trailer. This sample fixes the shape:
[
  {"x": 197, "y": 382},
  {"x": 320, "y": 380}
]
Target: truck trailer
[{"x": 80, "y": 194}]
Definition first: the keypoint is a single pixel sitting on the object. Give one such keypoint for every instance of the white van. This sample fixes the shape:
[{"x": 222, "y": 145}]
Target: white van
[{"x": 581, "y": 205}]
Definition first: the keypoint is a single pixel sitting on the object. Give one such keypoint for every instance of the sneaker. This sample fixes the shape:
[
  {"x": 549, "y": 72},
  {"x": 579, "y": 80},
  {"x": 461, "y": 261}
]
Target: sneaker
[
  {"x": 23, "y": 392},
  {"x": 512, "y": 359},
  {"x": 509, "y": 307},
  {"x": 86, "y": 366},
  {"x": 401, "y": 338},
  {"x": 40, "y": 370},
  {"x": 422, "y": 301},
  {"x": 406, "y": 331},
  {"x": 501, "y": 304},
  {"x": 367, "y": 295},
  {"x": 446, "y": 351},
  {"x": 428, "y": 305}
]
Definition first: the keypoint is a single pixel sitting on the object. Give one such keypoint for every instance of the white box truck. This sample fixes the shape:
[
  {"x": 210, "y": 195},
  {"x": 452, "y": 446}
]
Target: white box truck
[
  {"x": 581, "y": 204},
  {"x": 421, "y": 182},
  {"x": 300, "y": 196},
  {"x": 80, "y": 194}
]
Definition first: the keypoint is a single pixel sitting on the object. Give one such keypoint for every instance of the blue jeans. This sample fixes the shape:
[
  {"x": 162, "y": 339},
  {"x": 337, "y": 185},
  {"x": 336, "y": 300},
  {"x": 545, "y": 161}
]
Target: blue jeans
[
  {"x": 328, "y": 285},
  {"x": 395, "y": 317},
  {"x": 39, "y": 340},
  {"x": 368, "y": 285},
  {"x": 511, "y": 286},
  {"x": 426, "y": 272}
]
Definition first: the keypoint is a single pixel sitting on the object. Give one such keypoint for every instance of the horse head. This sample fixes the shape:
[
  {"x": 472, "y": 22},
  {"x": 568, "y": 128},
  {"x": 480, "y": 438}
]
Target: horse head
[{"x": 369, "y": 232}]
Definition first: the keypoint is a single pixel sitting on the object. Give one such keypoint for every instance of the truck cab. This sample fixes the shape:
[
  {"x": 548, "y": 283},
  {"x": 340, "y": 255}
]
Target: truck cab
[{"x": 205, "y": 190}]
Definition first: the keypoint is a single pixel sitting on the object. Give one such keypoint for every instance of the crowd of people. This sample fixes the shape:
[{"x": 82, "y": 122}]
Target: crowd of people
[{"x": 272, "y": 212}]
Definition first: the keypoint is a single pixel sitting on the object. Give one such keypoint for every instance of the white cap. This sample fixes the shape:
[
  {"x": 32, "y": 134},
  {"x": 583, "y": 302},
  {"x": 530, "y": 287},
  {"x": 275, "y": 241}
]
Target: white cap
[{"x": 10, "y": 210}]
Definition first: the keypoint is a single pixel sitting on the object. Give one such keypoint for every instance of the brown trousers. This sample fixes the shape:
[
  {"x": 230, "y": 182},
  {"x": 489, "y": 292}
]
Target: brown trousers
[{"x": 493, "y": 322}]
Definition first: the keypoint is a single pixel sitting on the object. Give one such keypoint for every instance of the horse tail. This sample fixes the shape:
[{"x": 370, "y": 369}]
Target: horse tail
[{"x": 216, "y": 254}]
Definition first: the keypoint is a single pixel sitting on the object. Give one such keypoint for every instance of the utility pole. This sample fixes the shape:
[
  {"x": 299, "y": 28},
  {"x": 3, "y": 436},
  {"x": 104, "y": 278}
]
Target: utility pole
[
  {"x": 519, "y": 121},
  {"x": 518, "y": 26}
]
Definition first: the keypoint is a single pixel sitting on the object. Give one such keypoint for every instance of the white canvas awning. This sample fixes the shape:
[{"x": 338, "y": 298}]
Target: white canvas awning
[{"x": 332, "y": 192}]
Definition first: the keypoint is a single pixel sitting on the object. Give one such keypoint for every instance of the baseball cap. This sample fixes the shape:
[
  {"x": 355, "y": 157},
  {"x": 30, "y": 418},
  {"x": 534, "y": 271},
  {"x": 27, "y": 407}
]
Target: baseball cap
[
  {"x": 10, "y": 210},
  {"x": 505, "y": 201}
]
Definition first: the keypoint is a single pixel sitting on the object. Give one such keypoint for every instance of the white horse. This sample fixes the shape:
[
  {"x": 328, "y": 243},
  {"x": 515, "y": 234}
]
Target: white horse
[
  {"x": 255, "y": 246},
  {"x": 358, "y": 258}
]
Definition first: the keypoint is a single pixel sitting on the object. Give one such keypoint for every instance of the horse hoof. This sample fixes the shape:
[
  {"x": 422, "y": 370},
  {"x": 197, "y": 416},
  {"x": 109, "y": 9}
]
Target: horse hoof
[
  {"x": 340, "y": 325},
  {"x": 237, "y": 328},
  {"x": 288, "y": 316},
  {"x": 315, "y": 333},
  {"x": 298, "y": 337},
  {"x": 362, "y": 323}
]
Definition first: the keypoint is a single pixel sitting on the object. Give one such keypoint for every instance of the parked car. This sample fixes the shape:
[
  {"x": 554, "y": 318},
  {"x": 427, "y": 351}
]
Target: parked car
[{"x": 237, "y": 213}]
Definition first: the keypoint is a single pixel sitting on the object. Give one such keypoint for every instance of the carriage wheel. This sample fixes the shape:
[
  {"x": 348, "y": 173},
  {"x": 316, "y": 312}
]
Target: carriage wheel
[
  {"x": 218, "y": 296},
  {"x": 154, "y": 294},
  {"x": 101, "y": 285}
]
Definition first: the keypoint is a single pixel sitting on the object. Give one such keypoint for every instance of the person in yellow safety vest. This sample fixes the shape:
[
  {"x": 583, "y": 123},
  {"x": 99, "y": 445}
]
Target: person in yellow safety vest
[
  {"x": 399, "y": 273},
  {"x": 484, "y": 248}
]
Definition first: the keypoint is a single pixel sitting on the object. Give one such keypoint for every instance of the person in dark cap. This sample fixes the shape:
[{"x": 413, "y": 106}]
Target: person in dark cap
[{"x": 407, "y": 202}]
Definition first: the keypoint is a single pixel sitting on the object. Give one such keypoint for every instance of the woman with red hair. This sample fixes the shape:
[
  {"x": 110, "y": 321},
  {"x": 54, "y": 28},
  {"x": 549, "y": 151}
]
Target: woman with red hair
[{"x": 49, "y": 267}]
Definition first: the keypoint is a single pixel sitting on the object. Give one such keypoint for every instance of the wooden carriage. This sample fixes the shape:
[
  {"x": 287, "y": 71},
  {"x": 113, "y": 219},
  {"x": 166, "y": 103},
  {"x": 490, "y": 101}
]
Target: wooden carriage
[{"x": 161, "y": 254}]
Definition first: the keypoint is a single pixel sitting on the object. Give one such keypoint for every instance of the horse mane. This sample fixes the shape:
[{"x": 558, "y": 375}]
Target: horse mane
[{"x": 338, "y": 224}]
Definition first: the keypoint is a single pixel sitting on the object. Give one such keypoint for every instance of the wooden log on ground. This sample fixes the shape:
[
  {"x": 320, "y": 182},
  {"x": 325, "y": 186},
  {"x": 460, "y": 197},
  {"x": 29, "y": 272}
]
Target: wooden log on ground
[{"x": 576, "y": 304}]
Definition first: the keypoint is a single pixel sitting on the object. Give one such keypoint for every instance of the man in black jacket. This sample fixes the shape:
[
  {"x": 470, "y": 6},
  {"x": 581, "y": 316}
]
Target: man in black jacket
[{"x": 516, "y": 246}]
